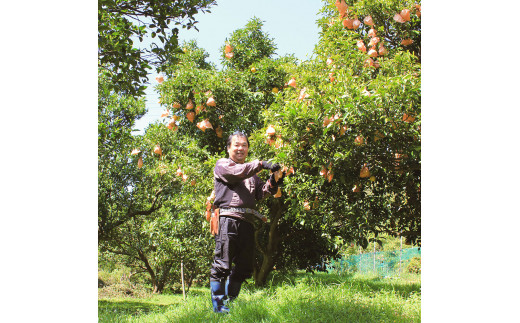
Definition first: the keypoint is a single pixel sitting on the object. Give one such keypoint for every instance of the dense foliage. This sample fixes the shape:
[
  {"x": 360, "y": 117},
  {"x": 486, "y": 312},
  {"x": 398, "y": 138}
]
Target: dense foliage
[{"x": 123, "y": 22}]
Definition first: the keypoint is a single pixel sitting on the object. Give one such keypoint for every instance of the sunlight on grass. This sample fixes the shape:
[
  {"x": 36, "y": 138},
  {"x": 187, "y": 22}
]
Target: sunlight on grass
[{"x": 299, "y": 298}]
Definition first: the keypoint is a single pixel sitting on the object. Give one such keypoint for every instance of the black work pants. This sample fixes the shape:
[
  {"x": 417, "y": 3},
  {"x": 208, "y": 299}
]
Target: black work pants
[{"x": 234, "y": 250}]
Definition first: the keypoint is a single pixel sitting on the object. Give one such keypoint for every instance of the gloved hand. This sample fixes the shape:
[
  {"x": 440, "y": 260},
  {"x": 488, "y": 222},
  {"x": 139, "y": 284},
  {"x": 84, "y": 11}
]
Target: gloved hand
[{"x": 271, "y": 166}]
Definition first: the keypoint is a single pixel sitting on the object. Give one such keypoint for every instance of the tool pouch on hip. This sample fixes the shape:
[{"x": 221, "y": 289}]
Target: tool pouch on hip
[{"x": 213, "y": 224}]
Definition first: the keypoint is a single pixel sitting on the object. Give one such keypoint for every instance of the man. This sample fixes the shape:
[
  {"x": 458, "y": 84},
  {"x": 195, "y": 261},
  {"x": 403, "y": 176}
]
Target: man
[{"x": 237, "y": 188}]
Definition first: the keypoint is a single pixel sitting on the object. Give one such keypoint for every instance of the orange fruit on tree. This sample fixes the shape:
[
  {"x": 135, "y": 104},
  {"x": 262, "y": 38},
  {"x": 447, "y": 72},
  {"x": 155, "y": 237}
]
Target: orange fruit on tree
[
  {"x": 359, "y": 140},
  {"x": 218, "y": 131},
  {"x": 342, "y": 7},
  {"x": 292, "y": 82},
  {"x": 348, "y": 23},
  {"x": 372, "y": 178},
  {"x": 229, "y": 55},
  {"x": 405, "y": 14},
  {"x": 211, "y": 102},
  {"x": 329, "y": 61},
  {"x": 178, "y": 172},
  {"x": 330, "y": 175},
  {"x": 368, "y": 21},
  {"x": 253, "y": 69},
  {"x": 184, "y": 177},
  {"x": 165, "y": 113},
  {"x": 228, "y": 49},
  {"x": 140, "y": 162},
  {"x": 189, "y": 106},
  {"x": 331, "y": 77},
  {"x": 372, "y": 32},
  {"x": 275, "y": 90},
  {"x": 365, "y": 172},
  {"x": 398, "y": 18},
  {"x": 342, "y": 130},
  {"x": 306, "y": 206},
  {"x": 135, "y": 151},
  {"x": 373, "y": 41},
  {"x": 372, "y": 52},
  {"x": 361, "y": 46},
  {"x": 356, "y": 23},
  {"x": 270, "y": 130},
  {"x": 191, "y": 116},
  {"x": 408, "y": 118},
  {"x": 382, "y": 50},
  {"x": 406, "y": 42},
  {"x": 157, "y": 150},
  {"x": 369, "y": 62},
  {"x": 176, "y": 105},
  {"x": 193, "y": 182},
  {"x": 160, "y": 79},
  {"x": 323, "y": 171},
  {"x": 356, "y": 189}
]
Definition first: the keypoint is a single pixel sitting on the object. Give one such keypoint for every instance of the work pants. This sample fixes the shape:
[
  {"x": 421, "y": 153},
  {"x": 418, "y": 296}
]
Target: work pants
[{"x": 234, "y": 251}]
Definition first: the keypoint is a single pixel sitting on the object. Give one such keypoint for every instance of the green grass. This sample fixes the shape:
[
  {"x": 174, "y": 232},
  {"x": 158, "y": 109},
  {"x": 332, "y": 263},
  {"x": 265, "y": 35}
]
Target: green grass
[{"x": 299, "y": 298}]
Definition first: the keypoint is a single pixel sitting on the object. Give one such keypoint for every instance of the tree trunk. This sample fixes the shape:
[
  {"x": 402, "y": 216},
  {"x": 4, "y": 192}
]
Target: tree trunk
[
  {"x": 149, "y": 269},
  {"x": 271, "y": 251}
]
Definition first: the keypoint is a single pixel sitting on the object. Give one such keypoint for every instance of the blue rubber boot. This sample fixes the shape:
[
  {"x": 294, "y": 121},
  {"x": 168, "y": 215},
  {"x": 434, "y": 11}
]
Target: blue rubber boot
[
  {"x": 233, "y": 289},
  {"x": 218, "y": 295}
]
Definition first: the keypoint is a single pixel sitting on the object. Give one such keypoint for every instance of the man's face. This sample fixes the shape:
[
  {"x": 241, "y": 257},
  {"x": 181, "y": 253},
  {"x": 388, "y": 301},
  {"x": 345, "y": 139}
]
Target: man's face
[{"x": 238, "y": 149}]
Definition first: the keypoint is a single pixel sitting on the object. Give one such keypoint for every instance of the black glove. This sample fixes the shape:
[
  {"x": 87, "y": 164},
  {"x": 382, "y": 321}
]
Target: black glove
[{"x": 272, "y": 167}]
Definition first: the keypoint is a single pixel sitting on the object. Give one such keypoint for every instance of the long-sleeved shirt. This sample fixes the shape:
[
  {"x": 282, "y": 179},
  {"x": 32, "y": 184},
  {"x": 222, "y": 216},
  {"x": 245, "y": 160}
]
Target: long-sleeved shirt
[{"x": 237, "y": 185}]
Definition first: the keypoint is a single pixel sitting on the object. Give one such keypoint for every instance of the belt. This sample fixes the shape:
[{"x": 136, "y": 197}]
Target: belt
[{"x": 244, "y": 210}]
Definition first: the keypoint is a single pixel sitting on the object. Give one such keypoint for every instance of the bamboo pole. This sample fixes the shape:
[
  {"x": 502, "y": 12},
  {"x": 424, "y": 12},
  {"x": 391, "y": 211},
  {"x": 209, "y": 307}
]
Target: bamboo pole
[{"x": 182, "y": 278}]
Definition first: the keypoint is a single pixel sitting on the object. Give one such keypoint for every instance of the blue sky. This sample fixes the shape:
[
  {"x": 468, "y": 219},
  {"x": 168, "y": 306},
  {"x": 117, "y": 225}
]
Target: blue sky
[{"x": 291, "y": 23}]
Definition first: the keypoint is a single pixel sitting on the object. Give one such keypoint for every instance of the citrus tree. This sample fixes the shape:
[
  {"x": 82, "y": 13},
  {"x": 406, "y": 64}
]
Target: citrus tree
[{"x": 349, "y": 123}]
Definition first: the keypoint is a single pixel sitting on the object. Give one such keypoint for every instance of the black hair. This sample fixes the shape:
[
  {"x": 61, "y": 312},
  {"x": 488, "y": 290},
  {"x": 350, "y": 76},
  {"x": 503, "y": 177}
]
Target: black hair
[{"x": 236, "y": 133}]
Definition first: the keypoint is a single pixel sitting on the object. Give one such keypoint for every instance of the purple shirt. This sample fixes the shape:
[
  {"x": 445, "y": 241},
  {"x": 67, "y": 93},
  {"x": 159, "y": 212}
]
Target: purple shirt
[{"x": 237, "y": 185}]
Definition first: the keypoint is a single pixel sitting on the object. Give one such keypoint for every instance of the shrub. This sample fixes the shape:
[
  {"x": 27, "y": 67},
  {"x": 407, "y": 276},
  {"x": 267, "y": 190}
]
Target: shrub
[{"x": 415, "y": 265}]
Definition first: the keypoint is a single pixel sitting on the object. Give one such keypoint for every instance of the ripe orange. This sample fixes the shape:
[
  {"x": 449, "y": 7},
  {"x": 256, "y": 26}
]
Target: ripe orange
[
  {"x": 368, "y": 21},
  {"x": 184, "y": 177},
  {"x": 369, "y": 62},
  {"x": 157, "y": 150},
  {"x": 140, "y": 162},
  {"x": 323, "y": 171},
  {"x": 176, "y": 105},
  {"x": 306, "y": 206},
  {"x": 382, "y": 50},
  {"x": 372, "y": 52},
  {"x": 373, "y": 41},
  {"x": 229, "y": 55},
  {"x": 342, "y": 130},
  {"x": 270, "y": 130},
  {"x": 372, "y": 32},
  {"x": 135, "y": 151},
  {"x": 189, "y": 106},
  {"x": 331, "y": 77},
  {"x": 406, "y": 42},
  {"x": 398, "y": 18},
  {"x": 292, "y": 82},
  {"x": 160, "y": 79},
  {"x": 329, "y": 61},
  {"x": 361, "y": 46},
  {"x": 348, "y": 23},
  {"x": 330, "y": 176},
  {"x": 253, "y": 69},
  {"x": 191, "y": 116},
  {"x": 179, "y": 172},
  {"x": 275, "y": 90},
  {"x": 211, "y": 102},
  {"x": 405, "y": 13},
  {"x": 228, "y": 49},
  {"x": 165, "y": 113},
  {"x": 365, "y": 172},
  {"x": 342, "y": 7},
  {"x": 408, "y": 118},
  {"x": 218, "y": 131},
  {"x": 356, "y": 23},
  {"x": 359, "y": 140}
]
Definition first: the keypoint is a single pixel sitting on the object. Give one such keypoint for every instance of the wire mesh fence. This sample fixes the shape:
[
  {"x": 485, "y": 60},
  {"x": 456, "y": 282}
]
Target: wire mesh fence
[{"x": 383, "y": 263}]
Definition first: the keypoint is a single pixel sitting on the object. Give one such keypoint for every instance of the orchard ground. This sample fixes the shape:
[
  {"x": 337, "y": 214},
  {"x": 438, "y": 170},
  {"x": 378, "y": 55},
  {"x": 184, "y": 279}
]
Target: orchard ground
[{"x": 300, "y": 297}]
